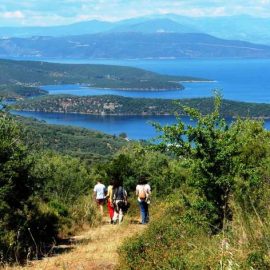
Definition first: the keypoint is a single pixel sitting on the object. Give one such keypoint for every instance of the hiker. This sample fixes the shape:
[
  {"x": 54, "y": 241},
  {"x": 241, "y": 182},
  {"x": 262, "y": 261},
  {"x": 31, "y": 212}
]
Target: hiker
[
  {"x": 99, "y": 193},
  {"x": 119, "y": 202},
  {"x": 110, "y": 200},
  {"x": 143, "y": 192}
]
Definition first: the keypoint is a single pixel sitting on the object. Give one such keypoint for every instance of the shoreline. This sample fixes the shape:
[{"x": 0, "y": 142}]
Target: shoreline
[
  {"x": 134, "y": 114},
  {"x": 137, "y": 89}
]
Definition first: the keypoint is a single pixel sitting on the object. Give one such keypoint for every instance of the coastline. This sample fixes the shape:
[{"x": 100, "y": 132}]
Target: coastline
[{"x": 135, "y": 114}]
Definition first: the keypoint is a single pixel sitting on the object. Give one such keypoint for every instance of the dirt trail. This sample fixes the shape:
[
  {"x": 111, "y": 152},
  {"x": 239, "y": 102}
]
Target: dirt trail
[{"x": 94, "y": 249}]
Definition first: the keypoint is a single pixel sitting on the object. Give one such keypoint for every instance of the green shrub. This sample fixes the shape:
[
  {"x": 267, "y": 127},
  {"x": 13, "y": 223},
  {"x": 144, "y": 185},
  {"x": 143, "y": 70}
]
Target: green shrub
[
  {"x": 25, "y": 228},
  {"x": 219, "y": 219},
  {"x": 85, "y": 212},
  {"x": 167, "y": 241}
]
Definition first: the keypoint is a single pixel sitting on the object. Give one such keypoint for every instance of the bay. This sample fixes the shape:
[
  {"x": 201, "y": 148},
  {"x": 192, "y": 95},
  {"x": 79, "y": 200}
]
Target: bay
[
  {"x": 136, "y": 127},
  {"x": 237, "y": 79}
]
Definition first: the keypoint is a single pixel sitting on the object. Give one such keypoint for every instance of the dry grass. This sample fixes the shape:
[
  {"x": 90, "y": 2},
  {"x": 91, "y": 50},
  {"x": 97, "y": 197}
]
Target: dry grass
[{"x": 95, "y": 249}]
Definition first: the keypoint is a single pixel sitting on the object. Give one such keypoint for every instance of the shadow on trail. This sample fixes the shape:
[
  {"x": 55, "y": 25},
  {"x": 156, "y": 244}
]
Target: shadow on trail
[{"x": 134, "y": 221}]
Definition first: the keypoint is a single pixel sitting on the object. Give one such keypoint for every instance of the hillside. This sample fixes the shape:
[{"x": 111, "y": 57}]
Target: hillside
[
  {"x": 162, "y": 25},
  {"x": 131, "y": 45},
  {"x": 77, "y": 142},
  {"x": 18, "y": 78},
  {"x": 17, "y": 91},
  {"x": 116, "y": 105}
]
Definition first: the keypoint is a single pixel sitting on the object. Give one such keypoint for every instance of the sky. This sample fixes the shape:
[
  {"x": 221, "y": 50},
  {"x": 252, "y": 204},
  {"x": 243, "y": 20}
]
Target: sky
[{"x": 58, "y": 12}]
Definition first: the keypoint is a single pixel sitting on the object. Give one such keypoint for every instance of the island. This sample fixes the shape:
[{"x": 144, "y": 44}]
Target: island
[
  {"x": 19, "y": 78},
  {"x": 117, "y": 105}
]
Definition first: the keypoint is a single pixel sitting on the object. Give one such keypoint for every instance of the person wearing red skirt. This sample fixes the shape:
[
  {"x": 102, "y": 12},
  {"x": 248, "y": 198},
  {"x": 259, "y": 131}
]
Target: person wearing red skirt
[{"x": 110, "y": 201}]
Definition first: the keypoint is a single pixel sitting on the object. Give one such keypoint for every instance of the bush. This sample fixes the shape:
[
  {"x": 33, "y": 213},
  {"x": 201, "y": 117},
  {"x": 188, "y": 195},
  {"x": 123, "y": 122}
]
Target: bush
[
  {"x": 179, "y": 237},
  {"x": 25, "y": 227},
  {"x": 168, "y": 240},
  {"x": 220, "y": 217},
  {"x": 66, "y": 183},
  {"x": 163, "y": 173}
]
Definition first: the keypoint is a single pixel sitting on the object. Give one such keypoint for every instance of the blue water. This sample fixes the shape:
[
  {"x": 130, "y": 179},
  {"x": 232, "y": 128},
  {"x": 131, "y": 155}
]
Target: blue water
[
  {"x": 136, "y": 127},
  {"x": 238, "y": 79},
  {"x": 242, "y": 80}
]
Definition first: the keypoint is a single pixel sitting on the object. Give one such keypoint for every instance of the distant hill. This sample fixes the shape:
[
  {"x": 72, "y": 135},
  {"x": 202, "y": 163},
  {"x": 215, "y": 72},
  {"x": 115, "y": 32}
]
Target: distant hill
[
  {"x": 81, "y": 28},
  {"x": 243, "y": 27},
  {"x": 155, "y": 26},
  {"x": 240, "y": 27},
  {"x": 131, "y": 45},
  {"x": 23, "y": 78},
  {"x": 237, "y": 27}
]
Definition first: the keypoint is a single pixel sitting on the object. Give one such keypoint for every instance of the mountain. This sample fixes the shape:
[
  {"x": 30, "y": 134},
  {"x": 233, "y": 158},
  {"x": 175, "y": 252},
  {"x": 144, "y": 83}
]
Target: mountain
[
  {"x": 81, "y": 28},
  {"x": 161, "y": 25},
  {"x": 131, "y": 45},
  {"x": 142, "y": 25},
  {"x": 241, "y": 27}
]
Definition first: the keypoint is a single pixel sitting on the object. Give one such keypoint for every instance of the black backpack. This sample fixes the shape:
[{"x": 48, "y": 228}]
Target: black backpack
[{"x": 119, "y": 194}]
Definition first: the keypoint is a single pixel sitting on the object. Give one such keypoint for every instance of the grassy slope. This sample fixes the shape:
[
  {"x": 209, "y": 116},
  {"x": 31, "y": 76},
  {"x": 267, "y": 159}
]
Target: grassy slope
[{"x": 132, "y": 106}]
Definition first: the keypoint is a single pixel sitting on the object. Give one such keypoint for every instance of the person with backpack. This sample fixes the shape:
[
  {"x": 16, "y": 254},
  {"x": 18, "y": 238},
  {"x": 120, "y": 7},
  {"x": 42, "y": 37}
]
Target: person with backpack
[
  {"x": 143, "y": 192},
  {"x": 110, "y": 200},
  {"x": 119, "y": 202}
]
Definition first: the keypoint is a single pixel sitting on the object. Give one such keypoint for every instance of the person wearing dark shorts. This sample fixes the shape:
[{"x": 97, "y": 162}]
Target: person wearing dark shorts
[{"x": 100, "y": 195}]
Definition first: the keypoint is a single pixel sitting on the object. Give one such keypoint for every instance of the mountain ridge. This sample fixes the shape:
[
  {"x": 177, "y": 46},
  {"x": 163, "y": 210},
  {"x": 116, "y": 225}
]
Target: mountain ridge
[
  {"x": 131, "y": 46},
  {"x": 240, "y": 27}
]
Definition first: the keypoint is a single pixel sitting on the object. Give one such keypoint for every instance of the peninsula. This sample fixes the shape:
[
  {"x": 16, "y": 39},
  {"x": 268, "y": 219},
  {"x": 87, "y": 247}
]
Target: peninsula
[
  {"x": 19, "y": 78},
  {"x": 117, "y": 105}
]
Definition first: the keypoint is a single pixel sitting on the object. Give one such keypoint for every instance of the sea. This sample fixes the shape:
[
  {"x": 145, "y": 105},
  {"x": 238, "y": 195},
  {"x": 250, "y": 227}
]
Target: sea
[{"x": 245, "y": 80}]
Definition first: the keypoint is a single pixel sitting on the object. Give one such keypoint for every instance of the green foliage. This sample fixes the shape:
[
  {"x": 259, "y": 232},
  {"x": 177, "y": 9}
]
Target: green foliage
[
  {"x": 170, "y": 242},
  {"x": 41, "y": 195},
  {"x": 133, "y": 161},
  {"x": 123, "y": 135},
  {"x": 219, "y": 219},
  {"x": 139, "y": 106},
  {"x": 91, "y": 146},
  {"x": 65, "y": 181},
  {"x": 14, "y": 91},
  {"x": 65, "y": 178},
  {"x": 210, "y": 147},
  {"x": 84, "y": 212},
  {"x": 179, "y": 238},
  {"x": 27, "y": 74},
  {"x": 22, "y": 219}
]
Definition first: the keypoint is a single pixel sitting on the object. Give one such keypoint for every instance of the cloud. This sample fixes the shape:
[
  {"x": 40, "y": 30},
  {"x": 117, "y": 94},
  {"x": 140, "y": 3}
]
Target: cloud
[
  {"x": 13, "y": 15},
  {"x": 48, "y": 12}
]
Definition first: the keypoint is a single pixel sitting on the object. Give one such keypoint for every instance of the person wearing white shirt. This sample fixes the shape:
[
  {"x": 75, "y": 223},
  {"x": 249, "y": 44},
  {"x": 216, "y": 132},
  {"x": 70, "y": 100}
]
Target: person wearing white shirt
[
  {"x": 143, "y": 192},
  {"x": 100, "y": 195}
]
